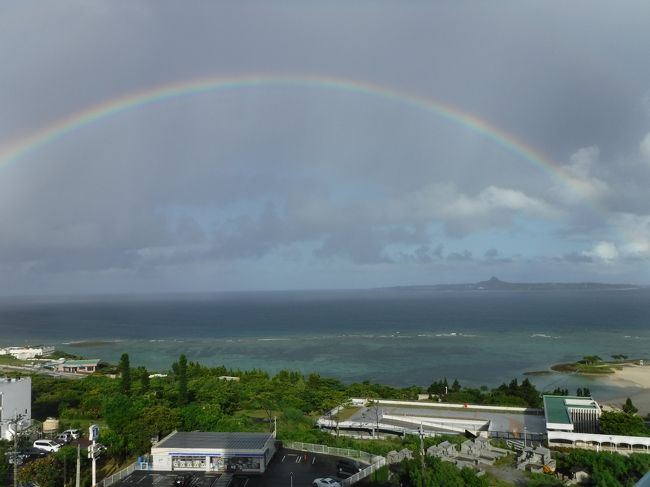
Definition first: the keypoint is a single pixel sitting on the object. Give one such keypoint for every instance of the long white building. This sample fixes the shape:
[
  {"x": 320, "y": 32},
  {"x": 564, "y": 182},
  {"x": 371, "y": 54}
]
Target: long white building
[{"x": 15, "y": 402}]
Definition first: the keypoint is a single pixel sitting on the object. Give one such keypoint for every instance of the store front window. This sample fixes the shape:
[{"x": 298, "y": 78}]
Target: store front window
[
  {"x": 188, "y": 462},
  {"x": 243, "y": 463}
]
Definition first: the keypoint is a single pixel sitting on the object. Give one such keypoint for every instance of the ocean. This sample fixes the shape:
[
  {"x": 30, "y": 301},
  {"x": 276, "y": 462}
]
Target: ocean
[{"x": 397, "y": 336}]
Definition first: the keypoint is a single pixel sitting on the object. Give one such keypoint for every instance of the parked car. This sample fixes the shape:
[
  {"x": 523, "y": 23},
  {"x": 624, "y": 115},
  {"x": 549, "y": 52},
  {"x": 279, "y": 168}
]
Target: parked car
[
  {"x": 183, "y": 480},
  {"x": 47, "y": 445},
  {"x": 75, "y": 434},
  {"x": 34, "y": 453},
  {"x": 348, "y": 467},
  {"x": 328, "y": 482},
  {"x": 64, "y": 438}
]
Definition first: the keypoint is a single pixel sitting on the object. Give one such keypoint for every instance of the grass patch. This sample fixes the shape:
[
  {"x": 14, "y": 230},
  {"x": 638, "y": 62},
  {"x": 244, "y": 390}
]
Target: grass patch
[
  {"x": 493, "y": 481},
  {"x": 579, "y": 368},
  {"x": 347, "y": 413},
  {"x": 509, "y": 460},
  {"x": 11, "y": 360},
  {"x": 257, "y": 413},
  {"x": 594, "y": 369}
]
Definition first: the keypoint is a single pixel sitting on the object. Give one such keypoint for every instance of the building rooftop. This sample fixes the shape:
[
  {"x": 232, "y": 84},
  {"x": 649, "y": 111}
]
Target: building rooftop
[
  {"x": 556, "y": 408},
  {"x": 75, "y": 363},
  {"x": 230, "y": 441}
]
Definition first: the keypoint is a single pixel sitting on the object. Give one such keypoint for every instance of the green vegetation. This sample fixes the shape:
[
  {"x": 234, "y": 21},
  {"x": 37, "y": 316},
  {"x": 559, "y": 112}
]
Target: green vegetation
[
  {"x": 592, "y": 364},
  {"x": 53, "y": 470},
  {"x": 11, "y": 360},
  {"x": 606, "y": 469},
  {"x": 5, "y": 467},
  {"x": 193, "y": 397},
  {"x": 629, "y": 424},
  {"x": 629, "y": 408},
  {"x": 437, "y": 473},
  {"x": 125, "y": 374},
  {"x": 512, "y": 394}
]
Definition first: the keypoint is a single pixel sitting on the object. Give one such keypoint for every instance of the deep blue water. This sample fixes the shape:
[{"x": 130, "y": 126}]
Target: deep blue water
[{"x": 394, "y": 336}]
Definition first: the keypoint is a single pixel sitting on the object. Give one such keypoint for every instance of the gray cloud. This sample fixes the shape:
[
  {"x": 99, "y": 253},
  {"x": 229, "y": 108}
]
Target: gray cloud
[{"x": 299, "y": 179}]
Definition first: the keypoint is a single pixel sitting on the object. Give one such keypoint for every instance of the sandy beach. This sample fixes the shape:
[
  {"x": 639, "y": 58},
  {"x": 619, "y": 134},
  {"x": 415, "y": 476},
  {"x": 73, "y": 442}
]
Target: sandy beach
[{"x": 632, "y": 375}]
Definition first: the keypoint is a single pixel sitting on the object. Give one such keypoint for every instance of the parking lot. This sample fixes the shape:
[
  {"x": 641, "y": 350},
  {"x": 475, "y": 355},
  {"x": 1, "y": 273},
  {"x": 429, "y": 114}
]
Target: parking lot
[
  {"x": 164, "y": 479},
  {"x": 288, "y": 467}
]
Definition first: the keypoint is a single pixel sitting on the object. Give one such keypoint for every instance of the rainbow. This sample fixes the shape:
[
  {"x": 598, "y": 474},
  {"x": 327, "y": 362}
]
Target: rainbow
[{"x": 114, "y": 106}]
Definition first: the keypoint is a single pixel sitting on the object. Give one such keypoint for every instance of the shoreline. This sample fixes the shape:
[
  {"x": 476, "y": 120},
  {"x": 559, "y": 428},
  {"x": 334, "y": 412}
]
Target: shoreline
[
  {"x": 629, "y": 375},
  {"x": 635, "y": 376}
]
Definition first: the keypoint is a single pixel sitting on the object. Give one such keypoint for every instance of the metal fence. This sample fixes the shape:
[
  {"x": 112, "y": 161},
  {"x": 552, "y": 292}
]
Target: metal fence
[
  {"x": 118, "y": 476},
  {"x": 375, "y": 461}
]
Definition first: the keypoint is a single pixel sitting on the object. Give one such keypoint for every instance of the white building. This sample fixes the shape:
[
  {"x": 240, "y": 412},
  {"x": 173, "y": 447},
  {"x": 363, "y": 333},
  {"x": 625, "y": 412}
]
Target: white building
[
  {"x": 214, "y": 452},
  {"x": 571, "y": 413},
  {"x": 26, "y": 353},
  {"x": 15, "y": 402}
]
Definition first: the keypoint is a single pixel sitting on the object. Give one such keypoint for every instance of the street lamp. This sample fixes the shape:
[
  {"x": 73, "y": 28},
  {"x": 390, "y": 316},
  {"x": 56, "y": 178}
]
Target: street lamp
[{"x": 525, "y": 436}]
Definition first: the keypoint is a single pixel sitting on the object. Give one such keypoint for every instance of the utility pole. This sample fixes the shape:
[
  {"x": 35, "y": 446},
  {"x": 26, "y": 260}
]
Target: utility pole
[
  {"x": 78, "y": 482},
  {"x": 422, "y": 447},
  {"x": 16, "y": 451},
  {"x": 15, "y": 421},
  {"x": 92, "y": 450}
]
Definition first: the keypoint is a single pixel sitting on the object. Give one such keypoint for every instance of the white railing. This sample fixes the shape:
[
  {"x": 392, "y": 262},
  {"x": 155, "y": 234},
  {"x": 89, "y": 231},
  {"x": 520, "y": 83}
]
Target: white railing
[
  {"x": 375, "y": 461},
  {"x": 556, "y": 438},
  {"x": 373, "y": 467},
  {"x": 118, "y": 476}
]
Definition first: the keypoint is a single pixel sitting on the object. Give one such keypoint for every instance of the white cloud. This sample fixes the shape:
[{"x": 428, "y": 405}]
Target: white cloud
[
  {"x": 583, "y": 185},
  {"x": 635, "y": 233},
  {"x": 493, "y": 199},
  {"x": 603, "y": 251},
  {"x": 444, "y": 201}
]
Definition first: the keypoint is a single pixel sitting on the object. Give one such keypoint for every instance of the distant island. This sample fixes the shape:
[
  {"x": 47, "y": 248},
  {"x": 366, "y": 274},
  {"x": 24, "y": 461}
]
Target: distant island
[{"x": 496, "y": 284}]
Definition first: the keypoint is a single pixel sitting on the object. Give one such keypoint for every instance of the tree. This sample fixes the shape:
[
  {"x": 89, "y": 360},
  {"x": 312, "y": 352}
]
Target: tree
[
  {"x": 613, "y": 423},
  {"x": 45, "y": 472},
  {"x": 125, "y": 374},
  {"x": 628, "y": 407},
  {"x": 375, "y": 411},
  {"x": 266, "y": 401},
  {"x": 144, "y": 379},
  {"x": 5, "y": 446},
  {"x": 591, "y": 359},
  {"x": 182, "y": 380}
]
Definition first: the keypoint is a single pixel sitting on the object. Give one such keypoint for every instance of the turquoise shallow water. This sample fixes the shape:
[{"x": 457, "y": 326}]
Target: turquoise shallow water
[{"x": 392, "y": 336}]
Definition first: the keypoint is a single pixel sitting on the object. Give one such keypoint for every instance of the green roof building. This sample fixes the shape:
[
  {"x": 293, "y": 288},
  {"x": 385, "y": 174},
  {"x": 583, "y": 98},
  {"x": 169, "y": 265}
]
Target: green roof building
[{"x": 571, "y": 413}]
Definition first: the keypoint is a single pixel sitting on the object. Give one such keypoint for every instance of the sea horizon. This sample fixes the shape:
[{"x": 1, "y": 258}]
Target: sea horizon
[{"x": 396, "y": 336}]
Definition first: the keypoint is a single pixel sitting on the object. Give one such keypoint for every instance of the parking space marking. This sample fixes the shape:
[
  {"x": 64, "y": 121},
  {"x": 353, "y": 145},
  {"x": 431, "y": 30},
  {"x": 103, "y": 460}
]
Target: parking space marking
[
  {"x": 313, "y": 460},
  {"x": 283, "y": 457}
]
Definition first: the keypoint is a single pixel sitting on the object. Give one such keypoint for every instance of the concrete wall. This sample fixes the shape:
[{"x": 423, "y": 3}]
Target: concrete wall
[
  {"x": 15, "y": 398},
  {"x": 447, "y": 405}
]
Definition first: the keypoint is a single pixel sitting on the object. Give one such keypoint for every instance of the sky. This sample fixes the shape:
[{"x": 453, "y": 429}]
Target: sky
[{"x": 333, "y": 144}]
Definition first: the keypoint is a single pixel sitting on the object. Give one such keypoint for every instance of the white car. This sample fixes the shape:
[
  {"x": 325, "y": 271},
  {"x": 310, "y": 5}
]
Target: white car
[
  {"x": 47, "y": 445},
  {"x": 75, "y": 434},
  {"x": 64, "y": 438},
  {"x": 328, "y": 482}
]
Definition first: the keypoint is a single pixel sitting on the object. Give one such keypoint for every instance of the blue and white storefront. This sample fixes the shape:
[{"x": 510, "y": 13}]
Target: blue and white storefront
[{"x": 214, "y": 452}]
